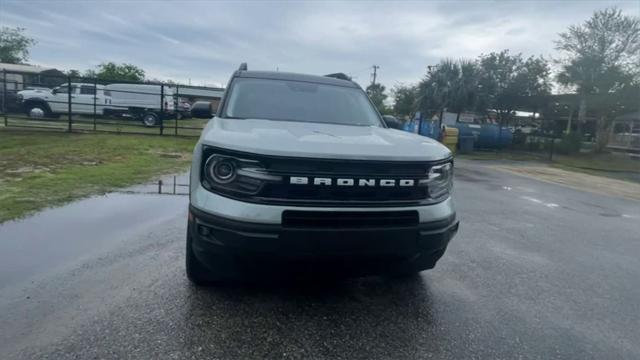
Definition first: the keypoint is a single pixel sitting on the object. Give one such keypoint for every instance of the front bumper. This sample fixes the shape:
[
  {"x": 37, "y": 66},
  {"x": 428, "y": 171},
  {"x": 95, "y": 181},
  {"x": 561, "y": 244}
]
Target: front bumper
[{"x": 249, "y": 246}]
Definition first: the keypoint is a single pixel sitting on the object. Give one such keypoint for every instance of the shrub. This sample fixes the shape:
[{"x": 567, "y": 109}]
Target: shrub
[{"x": 570, "y": 143}]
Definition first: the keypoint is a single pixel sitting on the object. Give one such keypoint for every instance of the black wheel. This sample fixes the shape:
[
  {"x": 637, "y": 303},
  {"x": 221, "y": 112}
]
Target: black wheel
[
  {"x": 150, "y": 119},
  {"x": 37, "y": 111},
  {"x": 201, "y": 275},
  {"x": 196, "y": 272}
]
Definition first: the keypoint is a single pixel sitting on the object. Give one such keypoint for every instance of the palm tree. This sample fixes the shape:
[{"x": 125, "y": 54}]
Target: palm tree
[{"x": 451, "y": 85}]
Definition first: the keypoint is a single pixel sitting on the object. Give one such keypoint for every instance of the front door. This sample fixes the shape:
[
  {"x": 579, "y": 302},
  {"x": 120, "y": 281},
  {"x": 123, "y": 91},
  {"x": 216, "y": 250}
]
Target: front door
[{"x": 59, "y": 102}]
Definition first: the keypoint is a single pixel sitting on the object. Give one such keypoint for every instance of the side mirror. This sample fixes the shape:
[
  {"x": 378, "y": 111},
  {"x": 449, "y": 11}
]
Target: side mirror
[
  {"x": 202, "y": 110},
  {"x": 54, "y": 91}
]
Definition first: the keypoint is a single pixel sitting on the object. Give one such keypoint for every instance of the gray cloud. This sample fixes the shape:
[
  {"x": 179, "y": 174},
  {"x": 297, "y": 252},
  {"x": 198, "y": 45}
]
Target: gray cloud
[{"x": 205, "y": 41}]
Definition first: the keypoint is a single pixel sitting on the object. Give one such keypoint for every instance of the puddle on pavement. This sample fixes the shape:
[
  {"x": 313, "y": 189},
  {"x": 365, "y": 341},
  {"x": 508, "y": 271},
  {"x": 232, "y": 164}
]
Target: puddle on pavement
[
  {"x": 166, "y": 185},
  {"x": 55, "y": 236}
]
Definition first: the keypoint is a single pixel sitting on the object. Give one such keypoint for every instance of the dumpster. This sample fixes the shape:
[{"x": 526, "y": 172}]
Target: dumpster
[
  {"x": 466, "y": 144},
  {"x": 450, "y": 138}
]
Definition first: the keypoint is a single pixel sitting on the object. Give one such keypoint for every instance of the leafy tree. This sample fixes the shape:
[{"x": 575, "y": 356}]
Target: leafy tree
[
  {"x": 437, "y": 88},
  {"x": 377, "y": 96},
  {"x": 465, "y": 87},
  {"x": 14, "y": 45},
  {"x": 602, "y": 57},
  {"x": 451, "y": 85},
  {"x": 90, "y": 74},
  {"x": 117, "y": 72},
  {"x": 405, "y": 99},
  {"x": 505, "y": 80},
  {"x": 73, "y": 73}
]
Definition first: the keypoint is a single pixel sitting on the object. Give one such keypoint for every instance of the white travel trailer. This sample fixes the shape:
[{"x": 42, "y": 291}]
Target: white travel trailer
[{"x": 147, "y": 102}]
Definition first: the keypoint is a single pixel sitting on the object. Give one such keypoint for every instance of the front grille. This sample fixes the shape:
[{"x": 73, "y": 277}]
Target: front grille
[
  {"x": 348, "y": 219},
  {"x": 352, "y": 194},
  {"x": 285, "y": 193},
  {"x": 343, "y": 195}
]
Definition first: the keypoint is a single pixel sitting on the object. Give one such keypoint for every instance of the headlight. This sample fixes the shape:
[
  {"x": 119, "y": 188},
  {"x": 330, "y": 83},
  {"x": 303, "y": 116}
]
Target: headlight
[
  {"x": 221, "y": 170},
  {"x": 440, "y": 180},
  {"x": 227, "y": 174}
]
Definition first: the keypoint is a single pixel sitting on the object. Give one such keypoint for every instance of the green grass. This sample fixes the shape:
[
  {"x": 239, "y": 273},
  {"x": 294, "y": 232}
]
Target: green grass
[
  {"x": 617, "y": 166},
  {"x": 41, "y": 169}
]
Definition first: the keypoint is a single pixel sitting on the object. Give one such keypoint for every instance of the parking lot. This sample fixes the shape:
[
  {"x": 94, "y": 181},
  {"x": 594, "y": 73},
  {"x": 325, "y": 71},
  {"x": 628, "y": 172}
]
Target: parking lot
[{"x": 537, "y": 271}]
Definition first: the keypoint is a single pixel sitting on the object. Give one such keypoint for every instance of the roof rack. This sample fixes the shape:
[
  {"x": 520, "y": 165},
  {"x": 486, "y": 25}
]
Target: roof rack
[
  {"x": 341, "y": 76},
  {"x": 243, "y": 67}
]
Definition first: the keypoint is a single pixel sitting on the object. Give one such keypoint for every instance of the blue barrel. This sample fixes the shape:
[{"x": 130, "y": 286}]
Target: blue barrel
[
  {"x": 427, "y": 128},
  {"x": 487, "y": 136},
  {"x": 465, "y": 144}
]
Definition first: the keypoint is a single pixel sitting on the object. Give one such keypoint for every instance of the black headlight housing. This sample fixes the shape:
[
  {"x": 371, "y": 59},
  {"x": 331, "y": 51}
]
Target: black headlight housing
[{"x": 232, "y": 175}]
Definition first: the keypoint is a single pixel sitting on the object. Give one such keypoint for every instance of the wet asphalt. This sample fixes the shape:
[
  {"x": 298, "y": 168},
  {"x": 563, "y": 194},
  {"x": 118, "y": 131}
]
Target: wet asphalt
[{"x": 537, "y": 271}]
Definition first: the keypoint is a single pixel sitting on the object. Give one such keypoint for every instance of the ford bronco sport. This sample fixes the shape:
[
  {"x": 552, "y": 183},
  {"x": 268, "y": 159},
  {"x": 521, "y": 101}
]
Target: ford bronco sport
[{"x": 301, "y": 171}]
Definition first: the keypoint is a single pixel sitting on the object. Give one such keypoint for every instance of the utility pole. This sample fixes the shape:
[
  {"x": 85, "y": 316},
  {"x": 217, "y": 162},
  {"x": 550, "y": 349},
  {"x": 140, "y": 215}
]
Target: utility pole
[{"x": 375, "y": 69}]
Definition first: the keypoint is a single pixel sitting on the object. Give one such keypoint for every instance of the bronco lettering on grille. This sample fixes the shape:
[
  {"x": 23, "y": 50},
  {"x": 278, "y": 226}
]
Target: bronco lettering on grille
[{"x": 303, "y": 180}]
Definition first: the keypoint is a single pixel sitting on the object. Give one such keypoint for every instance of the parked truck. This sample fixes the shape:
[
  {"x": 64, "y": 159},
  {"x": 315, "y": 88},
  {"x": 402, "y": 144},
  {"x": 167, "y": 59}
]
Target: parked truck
[{"x": 80, "y": 98}]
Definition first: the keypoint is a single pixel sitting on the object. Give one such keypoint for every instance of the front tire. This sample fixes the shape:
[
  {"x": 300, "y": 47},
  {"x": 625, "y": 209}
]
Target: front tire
[
  {"x": 201, "y": 275},
  {"x": 196, "y": 272},
  {"x": 38, "y": 111},
  {"x": 150, "y": 119}
]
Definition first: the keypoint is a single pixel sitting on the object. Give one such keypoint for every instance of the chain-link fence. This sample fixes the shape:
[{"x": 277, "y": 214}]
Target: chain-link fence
[{"x": 58, "y": 102}]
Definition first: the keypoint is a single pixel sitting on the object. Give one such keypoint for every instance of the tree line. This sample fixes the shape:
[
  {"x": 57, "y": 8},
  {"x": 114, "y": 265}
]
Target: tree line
[{"x": 599, "y": 64}]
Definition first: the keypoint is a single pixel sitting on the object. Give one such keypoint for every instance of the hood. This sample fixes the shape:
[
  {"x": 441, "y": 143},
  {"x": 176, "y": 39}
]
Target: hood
[
  {"x": 318, "y": 140},
  {"x": 35, "y": 92}
]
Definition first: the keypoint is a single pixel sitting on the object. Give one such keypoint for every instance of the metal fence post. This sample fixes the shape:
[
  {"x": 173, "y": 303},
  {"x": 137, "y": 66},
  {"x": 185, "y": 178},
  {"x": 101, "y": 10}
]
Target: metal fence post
[
  {"x": 175, "y": 133},
  {"x": 95, "y": 99},
  {"x": 4, "y": 97},
  {"x": 161, "y": 109},
  {"x": 69, "y": 129}
]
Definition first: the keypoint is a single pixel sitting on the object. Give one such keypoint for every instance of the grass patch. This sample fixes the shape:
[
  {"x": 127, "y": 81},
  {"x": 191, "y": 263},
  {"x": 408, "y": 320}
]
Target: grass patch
[{"x": 41, "y": 169}]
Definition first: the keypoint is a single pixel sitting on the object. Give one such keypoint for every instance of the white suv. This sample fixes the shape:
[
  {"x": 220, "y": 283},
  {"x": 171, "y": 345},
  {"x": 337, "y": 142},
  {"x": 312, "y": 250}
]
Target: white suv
[{"x": 302, "y": 171}]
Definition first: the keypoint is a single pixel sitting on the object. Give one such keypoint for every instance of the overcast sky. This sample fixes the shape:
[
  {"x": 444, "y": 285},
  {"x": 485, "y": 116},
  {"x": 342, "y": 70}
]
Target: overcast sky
[{"x": 206, "y": 41}]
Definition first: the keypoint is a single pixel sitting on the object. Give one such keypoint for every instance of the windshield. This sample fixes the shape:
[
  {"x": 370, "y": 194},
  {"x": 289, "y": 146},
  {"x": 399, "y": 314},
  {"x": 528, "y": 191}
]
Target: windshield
[{"x": 299, "y": 101}]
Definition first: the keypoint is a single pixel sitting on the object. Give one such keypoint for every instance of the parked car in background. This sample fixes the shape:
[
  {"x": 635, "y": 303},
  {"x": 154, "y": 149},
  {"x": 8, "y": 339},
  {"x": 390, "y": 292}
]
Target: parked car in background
[
  {"x": 392, "y": 122},
  {"x": 148, "y": 103},
  {"x": 202, "y": 109},
  {"x": 84, "y": 99},
  {"x": 183, "y": 109}
]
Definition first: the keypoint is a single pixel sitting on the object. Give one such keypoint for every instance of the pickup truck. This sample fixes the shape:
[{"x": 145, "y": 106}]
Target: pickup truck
[
  {"x": 85, "y": 99},
  {"x": 299, "y": 173}
]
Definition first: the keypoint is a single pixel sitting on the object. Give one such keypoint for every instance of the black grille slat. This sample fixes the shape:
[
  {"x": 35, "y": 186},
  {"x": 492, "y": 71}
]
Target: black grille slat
[{"x": 348, "y": 219}]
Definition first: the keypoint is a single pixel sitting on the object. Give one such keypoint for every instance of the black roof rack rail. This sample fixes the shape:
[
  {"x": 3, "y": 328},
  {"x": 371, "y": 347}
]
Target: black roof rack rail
[
  {"x": 243, "y": 67},
  {"x": 341, "y": 76}
]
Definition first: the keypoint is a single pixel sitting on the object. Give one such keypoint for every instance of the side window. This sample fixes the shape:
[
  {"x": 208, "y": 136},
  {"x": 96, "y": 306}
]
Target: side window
[
  {"x": 63, "y": 89},
  {"x": 87, "y": 90}
]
